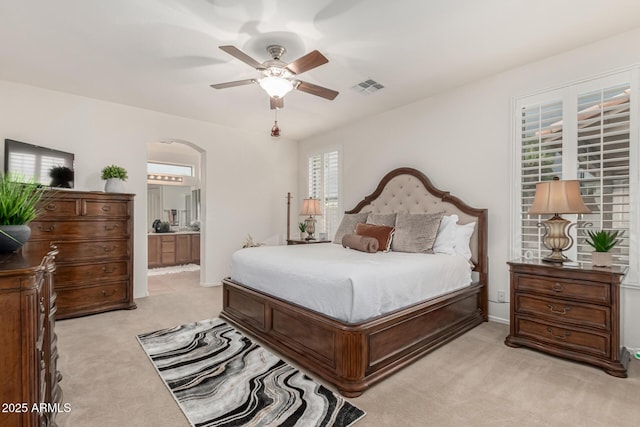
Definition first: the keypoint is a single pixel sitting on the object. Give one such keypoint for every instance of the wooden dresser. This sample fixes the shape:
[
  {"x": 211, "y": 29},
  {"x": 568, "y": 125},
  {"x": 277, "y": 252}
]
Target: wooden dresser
[
  {"x": 94, "y": 235},
  {"x": 29, "y": 391},
  {"x": 570, "y": 312}
]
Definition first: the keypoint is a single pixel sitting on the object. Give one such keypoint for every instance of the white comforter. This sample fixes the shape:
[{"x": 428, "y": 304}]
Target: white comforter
[{"x": 346, "y": 284}]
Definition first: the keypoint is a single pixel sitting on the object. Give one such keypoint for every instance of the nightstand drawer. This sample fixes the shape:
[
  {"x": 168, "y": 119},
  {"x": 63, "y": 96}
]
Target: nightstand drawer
[
  {"x": 586, "y": 315},
  {"x": 596, "y": 292},
  {"x": 569, "y": 338}
]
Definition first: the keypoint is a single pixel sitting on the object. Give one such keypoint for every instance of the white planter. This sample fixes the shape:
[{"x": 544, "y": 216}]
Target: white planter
[
  {"x": 601, "y": 259},
  {"x": 114, "y": 185}
]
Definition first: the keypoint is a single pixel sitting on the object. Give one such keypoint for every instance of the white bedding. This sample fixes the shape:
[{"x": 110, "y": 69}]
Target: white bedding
[{"x": 346, "y": 284}]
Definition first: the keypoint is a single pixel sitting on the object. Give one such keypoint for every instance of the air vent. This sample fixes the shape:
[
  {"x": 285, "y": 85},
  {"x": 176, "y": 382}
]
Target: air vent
[{"x": 367, "y": 87}]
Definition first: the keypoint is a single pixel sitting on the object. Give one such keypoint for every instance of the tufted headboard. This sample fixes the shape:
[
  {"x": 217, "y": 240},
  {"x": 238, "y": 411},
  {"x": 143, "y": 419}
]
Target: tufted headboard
[{"x": 409, "y": 190}]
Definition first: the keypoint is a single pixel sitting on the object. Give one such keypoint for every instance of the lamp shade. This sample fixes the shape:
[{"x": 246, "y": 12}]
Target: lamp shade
[
  {"x": 558, "y": 197},
  {"x": 311, "y": 207},
  {"x": 276, "y": 87}
]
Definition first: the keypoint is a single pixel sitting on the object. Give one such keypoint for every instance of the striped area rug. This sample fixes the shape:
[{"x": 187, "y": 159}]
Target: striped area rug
[{"x": 219, "y": 377}]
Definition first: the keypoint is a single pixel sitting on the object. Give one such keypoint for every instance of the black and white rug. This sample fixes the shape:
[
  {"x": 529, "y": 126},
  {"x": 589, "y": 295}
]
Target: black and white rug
[{"x": 219, "y": 377}]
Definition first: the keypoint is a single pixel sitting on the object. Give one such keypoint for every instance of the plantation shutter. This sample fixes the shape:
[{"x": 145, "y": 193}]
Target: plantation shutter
[
  {"x": 324, "y": 175},
  {"x": 604, "y": 166},
  {"x": 540, "y": 160}
]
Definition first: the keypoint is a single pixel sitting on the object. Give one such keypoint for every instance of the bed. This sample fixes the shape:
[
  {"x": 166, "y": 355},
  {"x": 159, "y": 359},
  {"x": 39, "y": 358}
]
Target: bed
[{"x": 351, "y": 350}]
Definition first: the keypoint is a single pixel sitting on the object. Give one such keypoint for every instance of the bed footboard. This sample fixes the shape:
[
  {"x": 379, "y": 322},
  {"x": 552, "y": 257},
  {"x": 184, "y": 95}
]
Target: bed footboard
[{"x": 353, "y": 356}]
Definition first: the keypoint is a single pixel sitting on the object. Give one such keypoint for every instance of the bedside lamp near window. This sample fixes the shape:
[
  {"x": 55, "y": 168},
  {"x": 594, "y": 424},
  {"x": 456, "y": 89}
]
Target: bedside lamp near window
[
  {"x": 310, "y": 207},
  {"x": 557, "y": 197}
]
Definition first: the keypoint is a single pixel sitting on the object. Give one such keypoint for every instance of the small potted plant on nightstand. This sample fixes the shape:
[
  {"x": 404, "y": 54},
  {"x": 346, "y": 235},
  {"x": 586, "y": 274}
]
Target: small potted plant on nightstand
[
  {"x": 303, "y": 228},
  {"x": 602, "y": 241},
  {"x": 115, "y": 177}
]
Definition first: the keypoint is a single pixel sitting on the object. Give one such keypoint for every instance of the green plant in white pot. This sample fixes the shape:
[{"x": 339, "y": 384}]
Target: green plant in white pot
[
  {"x": 115, "y": 176},
  {"x": 18, "y": 207},
  {"x": 602, "y": 241},
  {"x": 302, "y": 226}
]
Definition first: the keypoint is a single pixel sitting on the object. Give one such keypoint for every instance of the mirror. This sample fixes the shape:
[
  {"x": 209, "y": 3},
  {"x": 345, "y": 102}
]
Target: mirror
[{"x": 179, "y": 205}]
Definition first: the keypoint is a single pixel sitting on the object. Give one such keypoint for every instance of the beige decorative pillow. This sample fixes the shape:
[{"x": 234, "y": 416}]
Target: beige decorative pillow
[
  {"x": 382, "y": 219},
  {"x": 416, "y": 233},
  {"x": 348, "y": 225}
]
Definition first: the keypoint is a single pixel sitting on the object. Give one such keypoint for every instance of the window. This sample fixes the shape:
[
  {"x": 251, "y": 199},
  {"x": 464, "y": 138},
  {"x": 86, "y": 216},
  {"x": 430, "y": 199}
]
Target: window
[
  {"x": 324, "y": 184},
  {"x": 169, "y": 169},
  {"x": 581, "y": 132}
]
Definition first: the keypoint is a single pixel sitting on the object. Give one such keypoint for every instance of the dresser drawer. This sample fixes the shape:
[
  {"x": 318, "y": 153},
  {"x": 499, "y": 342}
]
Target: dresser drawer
[
  {"x": 585, "y": 315},
  {"x": 105, "y": 208},
  {"x": 596, "y": 292},
  {"x": 74, "y": 229},
  {"x": 90, "y": 296},
  {"x": 79, "y": 251},
  {"x": 68, "y": 275},
  {"x": 60, "y": 208},
  {"x": 564, "y": 336}
]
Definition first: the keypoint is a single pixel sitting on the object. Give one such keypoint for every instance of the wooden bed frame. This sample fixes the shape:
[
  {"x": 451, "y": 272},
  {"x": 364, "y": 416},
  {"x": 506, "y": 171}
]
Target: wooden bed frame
[{"x": 354, "y": 356}]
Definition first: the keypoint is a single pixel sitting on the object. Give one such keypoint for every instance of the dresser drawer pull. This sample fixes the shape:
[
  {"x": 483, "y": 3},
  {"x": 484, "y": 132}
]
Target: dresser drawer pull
[
  {"x": 51, "y": 207},
  {"x": 47, "y": 229},
  {"x": 108, "y": 270},
  {"x": 564, "y": 311},
  {"x": 110, "y": 227},
  {"x": 560, "y": 337},
  {"x": 106, "y": 208},
  {"x": 109, "y": 248},
  {"x": 557, "y": 287},
  {"x": 108, "y": 293}
]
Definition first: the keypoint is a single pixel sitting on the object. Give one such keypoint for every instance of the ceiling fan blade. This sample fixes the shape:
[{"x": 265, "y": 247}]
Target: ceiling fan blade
[
  {"x": 305, "y": 63},
  {"x": 232, "y": 84},
  {"x": 237, "y": 53},
  {"x": 317, "y": 90},
  {"x": 276, "y": 103}
]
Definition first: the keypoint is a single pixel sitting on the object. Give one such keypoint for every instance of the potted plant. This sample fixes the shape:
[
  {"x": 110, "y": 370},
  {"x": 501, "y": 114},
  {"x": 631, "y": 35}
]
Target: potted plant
[
  {"x": 18, "y": 207},
  {"x": 303, "y": 228},
  {"x": 602, "y": 241},
  {"x": 115, "y": 177},
  {"x": 61, "y": 176}
]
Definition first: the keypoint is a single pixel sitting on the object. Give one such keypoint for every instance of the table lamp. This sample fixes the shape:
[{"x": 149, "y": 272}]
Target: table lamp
[
  {"x": 557, "y": 197},
  {"x": 310, "y": 207}
]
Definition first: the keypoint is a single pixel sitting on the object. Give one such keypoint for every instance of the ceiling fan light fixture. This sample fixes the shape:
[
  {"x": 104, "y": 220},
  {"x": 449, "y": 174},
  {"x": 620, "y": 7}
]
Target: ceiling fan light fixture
[{"x": 276, "y": 87}]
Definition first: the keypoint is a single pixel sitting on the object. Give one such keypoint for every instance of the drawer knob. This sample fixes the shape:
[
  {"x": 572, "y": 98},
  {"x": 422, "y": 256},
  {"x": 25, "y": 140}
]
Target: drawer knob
[
  {"x": 564, "y": 311},
  {"x": 557, "y": 287},
  {"x": 106, "y": 208},
  {"x": 47, "y": 229},
  {"x": 109, "y": 248},
  {"x": 110, "y": 227},
  {"x": 51, "y": 207},
  {"x": 108, "y": 270},
  {"x": 108, "y": 293},
  {"x": 560, "y": 337}
]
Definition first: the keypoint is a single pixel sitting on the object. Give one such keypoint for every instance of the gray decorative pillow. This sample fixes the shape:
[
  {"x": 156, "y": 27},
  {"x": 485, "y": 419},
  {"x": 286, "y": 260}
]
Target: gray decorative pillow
[
  {"x": 348, "y": 225},
  {"x": 382, "y": 219},
  {"x": 416, "y": 233}
]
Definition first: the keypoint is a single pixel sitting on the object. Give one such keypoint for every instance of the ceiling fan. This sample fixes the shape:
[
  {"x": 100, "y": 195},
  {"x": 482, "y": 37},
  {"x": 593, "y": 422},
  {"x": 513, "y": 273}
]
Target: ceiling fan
[{"x": 277, "y": 77}]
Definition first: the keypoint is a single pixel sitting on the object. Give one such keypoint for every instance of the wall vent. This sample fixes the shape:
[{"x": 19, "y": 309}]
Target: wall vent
[{"x": 367, "y": 87}]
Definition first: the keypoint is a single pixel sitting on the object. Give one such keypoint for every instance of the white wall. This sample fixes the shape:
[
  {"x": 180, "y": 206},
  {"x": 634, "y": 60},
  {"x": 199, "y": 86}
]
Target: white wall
[
  {"x": 461, "y": 140},
  {"x": 242, "y": 170}
]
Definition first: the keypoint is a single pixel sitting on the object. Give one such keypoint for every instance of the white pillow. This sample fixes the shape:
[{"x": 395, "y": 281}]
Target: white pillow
[
  {"x": 463, "y": 238},
  {"x": 446, "y": 238}
]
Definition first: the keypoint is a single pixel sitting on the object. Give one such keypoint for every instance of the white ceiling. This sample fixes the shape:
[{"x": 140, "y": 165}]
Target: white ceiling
[{"x": 163, "y": 54}]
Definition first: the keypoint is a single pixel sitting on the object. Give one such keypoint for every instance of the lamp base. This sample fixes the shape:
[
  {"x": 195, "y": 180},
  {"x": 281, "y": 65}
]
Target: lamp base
[
  {"x": 556, "y": 257},
  {"x": 557, "y": 238}
]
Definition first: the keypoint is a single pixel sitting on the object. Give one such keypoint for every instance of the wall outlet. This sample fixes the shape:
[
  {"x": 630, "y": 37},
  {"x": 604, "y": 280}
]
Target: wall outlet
[{"x": 501, "y": 296}]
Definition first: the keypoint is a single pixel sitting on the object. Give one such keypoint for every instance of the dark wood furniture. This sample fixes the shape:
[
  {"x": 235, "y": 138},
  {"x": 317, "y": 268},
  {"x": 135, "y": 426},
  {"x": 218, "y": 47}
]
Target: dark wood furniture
[
  {"x": 94, "y": 235},
  {"x": 305, "y": 242},
  {"x": 173, "y": 249},
  {"x": 28, "y": 343},
  {"x": 355, "y": 356},
  {"x": 570, "y": 312}
]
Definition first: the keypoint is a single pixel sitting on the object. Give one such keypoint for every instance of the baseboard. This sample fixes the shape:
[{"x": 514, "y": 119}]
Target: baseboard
[{"x": 498, "y": 320}]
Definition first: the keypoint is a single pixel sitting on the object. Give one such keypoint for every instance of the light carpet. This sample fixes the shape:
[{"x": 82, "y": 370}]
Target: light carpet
[{"x": 219, "y": 377}]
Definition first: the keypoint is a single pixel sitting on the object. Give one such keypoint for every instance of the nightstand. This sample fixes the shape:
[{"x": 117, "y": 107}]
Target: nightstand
[
  {"x": 570, "y": 312},
  {"x": 305, "y": 242}
]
